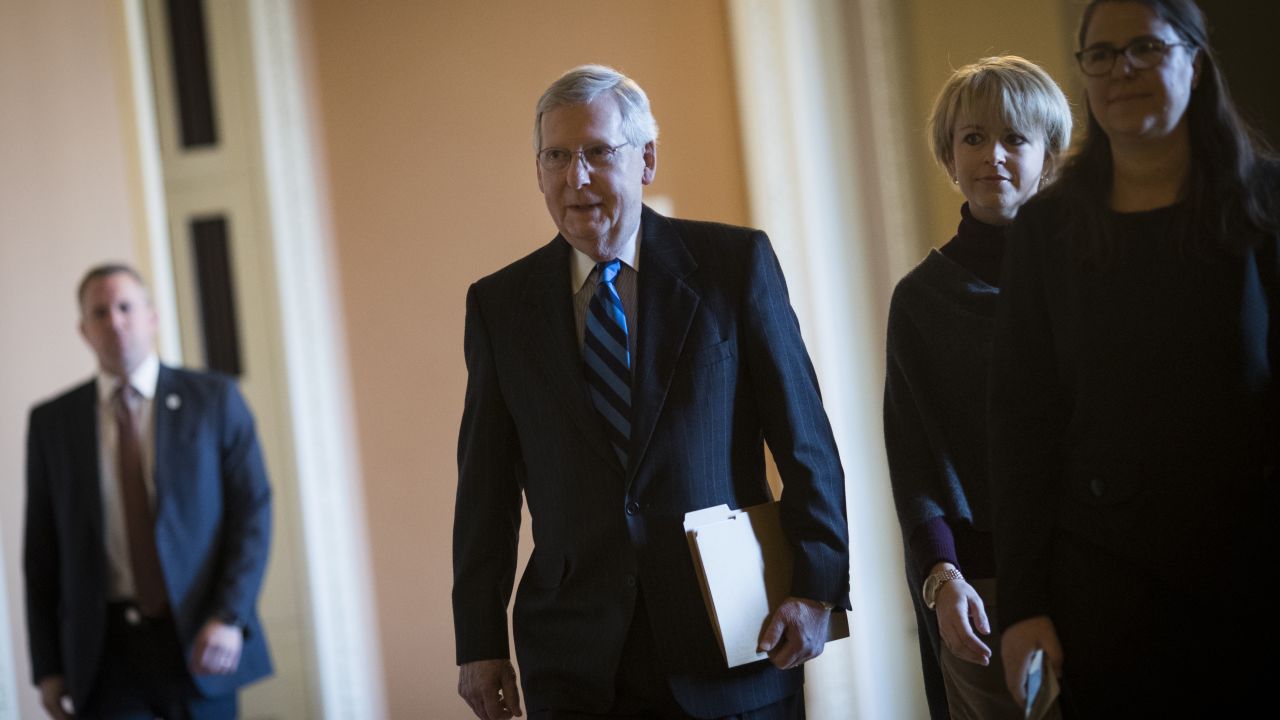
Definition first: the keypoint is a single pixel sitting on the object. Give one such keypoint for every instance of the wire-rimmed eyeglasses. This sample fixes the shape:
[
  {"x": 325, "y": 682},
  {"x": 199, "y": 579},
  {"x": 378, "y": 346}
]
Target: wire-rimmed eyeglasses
[
  {"x": 597, "y": 157},
  {"x": 1143, "y": 53}
]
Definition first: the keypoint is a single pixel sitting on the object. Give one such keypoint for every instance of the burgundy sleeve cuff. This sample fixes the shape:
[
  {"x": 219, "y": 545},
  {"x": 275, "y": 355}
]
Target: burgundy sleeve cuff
[{"x": 931, "y": 543}]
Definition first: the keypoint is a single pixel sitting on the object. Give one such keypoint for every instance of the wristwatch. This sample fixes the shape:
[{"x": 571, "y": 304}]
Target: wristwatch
[{"x": 934, "y": 583}]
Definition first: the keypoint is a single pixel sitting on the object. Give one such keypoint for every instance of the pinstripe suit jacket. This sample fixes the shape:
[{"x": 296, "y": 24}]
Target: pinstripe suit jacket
[{"x": 720, "y": 367}]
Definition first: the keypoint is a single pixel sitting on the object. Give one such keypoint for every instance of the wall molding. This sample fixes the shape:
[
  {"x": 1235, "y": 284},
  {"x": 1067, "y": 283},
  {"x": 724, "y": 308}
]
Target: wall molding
[{"x": 344, "y": 663}]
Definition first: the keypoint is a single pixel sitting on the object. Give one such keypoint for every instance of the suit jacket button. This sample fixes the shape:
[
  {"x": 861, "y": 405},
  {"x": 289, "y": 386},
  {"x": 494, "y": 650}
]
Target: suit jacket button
[
  {"x": 633, "y": 507},
  {"x": 1097, "y": 487}
]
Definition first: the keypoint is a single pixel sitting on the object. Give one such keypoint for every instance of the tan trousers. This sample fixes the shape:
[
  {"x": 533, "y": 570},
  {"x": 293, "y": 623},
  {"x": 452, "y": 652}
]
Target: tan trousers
[{"x": 975, "y": 692}]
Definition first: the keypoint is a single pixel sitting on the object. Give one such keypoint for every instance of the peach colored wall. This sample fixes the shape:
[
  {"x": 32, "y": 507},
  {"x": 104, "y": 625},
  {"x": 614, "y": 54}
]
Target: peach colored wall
[
  {"x": 427, "y": 115},
  {"x": 64, "y": 205}
]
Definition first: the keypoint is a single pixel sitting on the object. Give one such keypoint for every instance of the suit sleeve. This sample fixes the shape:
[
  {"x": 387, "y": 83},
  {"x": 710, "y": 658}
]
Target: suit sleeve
[
  {"x": 40, "y": 561},
  {"x": 247, "y": 502},
  {"x": 486, "y": 521},
  {"x": 1027, "y": 419},
  {"x": 797, "y": 431}
]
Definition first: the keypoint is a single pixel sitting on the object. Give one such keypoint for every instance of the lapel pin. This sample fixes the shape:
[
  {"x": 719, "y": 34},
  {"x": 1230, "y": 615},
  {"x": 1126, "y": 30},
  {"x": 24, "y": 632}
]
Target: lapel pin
[{"x": 173, "y": 402}]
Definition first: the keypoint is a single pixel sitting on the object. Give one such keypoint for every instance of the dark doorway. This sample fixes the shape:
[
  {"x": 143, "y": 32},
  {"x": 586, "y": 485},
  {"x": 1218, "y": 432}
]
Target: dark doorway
[{"x": 1242, "y": 33}]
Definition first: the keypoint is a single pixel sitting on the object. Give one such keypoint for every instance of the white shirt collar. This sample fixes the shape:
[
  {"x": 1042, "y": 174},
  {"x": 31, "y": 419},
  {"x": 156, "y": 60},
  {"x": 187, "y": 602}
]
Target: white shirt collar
[
  {"x": 582, "y": 265},
  {"x": 143, "y": 379}
]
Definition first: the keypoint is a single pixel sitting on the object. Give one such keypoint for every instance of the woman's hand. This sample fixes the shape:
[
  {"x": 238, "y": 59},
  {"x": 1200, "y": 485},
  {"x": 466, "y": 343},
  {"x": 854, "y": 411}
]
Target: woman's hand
[
  {"x": 1022, "y": 639},
  {"x": 961, "y": 617}
]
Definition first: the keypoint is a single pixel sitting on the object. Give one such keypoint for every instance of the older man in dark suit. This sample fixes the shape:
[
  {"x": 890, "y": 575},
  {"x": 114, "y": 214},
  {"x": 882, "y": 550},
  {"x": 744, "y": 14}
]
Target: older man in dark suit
[
  {"x": 622, "y": 375},
  {"x": 147, "y": 528}
]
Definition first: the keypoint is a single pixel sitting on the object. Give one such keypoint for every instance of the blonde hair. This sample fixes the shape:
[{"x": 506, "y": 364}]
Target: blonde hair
[{"x": 1012, "y": 88}]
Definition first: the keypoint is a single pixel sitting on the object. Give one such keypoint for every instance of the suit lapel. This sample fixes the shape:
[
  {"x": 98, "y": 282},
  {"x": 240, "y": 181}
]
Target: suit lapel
[
  {"x": 552, "y": 342},
  {"x": 170, "y": 423},
  {"x": 85, "y": 460},
  {"x": 667, "y": 307}
]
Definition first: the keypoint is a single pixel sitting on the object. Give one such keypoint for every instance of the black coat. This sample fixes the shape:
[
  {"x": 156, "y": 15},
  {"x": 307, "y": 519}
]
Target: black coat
[{"x": 720, "y": 367}]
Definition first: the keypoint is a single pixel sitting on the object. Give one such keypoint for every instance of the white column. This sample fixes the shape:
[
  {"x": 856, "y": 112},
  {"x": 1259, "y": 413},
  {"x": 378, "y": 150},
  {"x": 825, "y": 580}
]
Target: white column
[
  {"x": 8, "y": 673},
  {"x": 148, "y": 193},
  {"x": 815, "y": 108},
  {"x": 347, "y": 668}
]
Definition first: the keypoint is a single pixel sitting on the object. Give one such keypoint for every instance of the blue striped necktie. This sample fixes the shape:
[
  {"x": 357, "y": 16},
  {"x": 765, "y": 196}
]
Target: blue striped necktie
[{"x": 608, "y": 359}]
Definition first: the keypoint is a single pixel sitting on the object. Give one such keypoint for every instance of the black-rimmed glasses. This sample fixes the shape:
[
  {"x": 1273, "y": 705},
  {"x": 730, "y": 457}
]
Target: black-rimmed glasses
[{"x": 1143, "y": 53}]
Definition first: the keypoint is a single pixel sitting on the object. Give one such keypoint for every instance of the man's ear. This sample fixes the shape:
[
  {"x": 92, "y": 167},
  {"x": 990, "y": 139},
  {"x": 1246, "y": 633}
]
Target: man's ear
[{"x": 650, "y": 162}]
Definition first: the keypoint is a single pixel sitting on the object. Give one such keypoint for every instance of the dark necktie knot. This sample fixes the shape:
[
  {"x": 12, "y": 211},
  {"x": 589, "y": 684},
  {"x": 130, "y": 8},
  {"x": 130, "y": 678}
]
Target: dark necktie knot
[{"x": 124, "y": 401}]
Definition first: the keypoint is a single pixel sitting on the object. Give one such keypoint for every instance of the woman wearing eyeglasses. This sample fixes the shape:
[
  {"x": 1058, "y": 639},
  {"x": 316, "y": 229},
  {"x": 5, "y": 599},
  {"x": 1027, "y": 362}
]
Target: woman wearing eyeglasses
[
  {"x": 1133, "y": 411},
  {"x": 997, "y": 128}
]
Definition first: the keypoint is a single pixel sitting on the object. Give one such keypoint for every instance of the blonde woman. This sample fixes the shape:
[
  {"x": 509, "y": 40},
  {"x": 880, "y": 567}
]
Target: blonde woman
[{"x": 997, "y": 128}]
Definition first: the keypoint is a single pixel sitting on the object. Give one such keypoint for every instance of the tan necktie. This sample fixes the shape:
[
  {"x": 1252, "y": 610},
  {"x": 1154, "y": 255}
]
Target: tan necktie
[{"x": 148, "y": 578}]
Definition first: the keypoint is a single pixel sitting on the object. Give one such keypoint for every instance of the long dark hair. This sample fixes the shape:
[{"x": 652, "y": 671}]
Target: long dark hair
[{"x": 1229, "y": 204}]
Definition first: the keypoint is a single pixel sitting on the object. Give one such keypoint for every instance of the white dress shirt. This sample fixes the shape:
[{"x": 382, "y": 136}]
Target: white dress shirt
[
  {"x": 115, "y": 534},
  {"x": 580, "y": 268}
]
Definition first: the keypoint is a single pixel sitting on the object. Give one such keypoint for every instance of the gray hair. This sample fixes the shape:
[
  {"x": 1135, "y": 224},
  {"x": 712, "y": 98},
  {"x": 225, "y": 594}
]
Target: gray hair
[
  {"x": 583, "y": 85},
  {"x": 1009, "y": 87}
]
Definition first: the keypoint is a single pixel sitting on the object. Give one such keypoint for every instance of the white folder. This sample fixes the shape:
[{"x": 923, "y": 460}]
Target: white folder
[{"x": 744, "y": 563}]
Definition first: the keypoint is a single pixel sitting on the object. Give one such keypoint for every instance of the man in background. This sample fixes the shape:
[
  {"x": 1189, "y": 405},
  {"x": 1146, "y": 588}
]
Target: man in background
[
  {"x": 622, "y": 375},
  {"x": 147, "y": 528}
]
